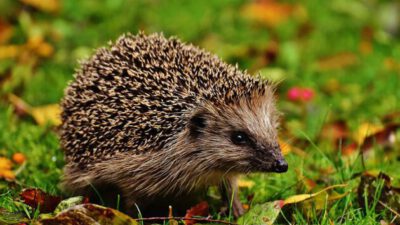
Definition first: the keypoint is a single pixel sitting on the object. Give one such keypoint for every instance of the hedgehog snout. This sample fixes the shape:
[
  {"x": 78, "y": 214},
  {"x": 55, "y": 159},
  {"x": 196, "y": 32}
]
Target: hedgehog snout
[{"x": 281, "y": 166}]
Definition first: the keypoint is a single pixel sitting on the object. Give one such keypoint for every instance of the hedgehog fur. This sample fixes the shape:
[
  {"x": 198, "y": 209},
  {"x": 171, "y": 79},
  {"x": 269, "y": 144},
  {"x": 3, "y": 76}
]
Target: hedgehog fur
[{"x": 154, "y": 117}]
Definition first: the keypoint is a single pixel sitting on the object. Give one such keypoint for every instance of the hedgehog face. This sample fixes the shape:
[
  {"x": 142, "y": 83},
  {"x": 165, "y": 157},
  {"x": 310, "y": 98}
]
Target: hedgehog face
[{"x": 241, "y": 137}]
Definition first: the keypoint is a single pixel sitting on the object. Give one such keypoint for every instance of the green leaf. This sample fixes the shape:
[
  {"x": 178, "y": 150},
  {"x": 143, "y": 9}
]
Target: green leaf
[
  {"x": 261, "y": 214},
  {"x": 88, "y": 214}
]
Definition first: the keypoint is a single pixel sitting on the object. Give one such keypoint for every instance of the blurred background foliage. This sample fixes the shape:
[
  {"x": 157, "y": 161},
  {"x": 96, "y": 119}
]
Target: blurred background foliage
[{"x": 344, "y": 55}]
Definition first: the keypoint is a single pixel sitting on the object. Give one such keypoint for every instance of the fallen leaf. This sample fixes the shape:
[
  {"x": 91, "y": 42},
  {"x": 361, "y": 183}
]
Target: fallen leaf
[
  {"x": 7, "y": 174},
  {"x": 337, "y": 132},
  {"x": 37, "y": 198},
  {"x": 9, "y": 51},
  {"x": 245, "y": 183},
  {"x": 38, "y": 45},
  {"x": 6, "y": 31},
  {"x": 303, "y": 197},
  {"x": 47, "y": 114},
  {"x": 5, "y": 164},
  {"x": 88, "y": 214},
  {"x": 21, "y": 108},
  {"x": 68, "y": 203},
  {"x": 5, "y": 169},
  {"x": 286, "y": 148},
  {"x": 262, "y": 214},
  {"x": 268, "y": 212},
  {"x": 319, "y": 202},
  {"x": 391, "y": 118},
  {"x": 44, "y": 5},
  {"x": 268, "y": 12},
  {"x": 338, "y": 61},
  {"x": 200, "y": 209},
  {"x": 43, "y": 115},
  {"x": 310, "y": 184},
  {"x": 383, "y": 137},
  {"x": 365, "y": 130}
]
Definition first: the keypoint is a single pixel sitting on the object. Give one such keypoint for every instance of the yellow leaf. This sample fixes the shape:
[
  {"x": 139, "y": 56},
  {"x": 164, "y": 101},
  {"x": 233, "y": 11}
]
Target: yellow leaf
[
  {"x": 9, "y": 51},
  {"x": 38, "y": 45},
  {"x": 365, "y": 130},
  {"x": 7, "y": 174},
  {"x": 47, "y": 114},
  {"x": 45, "y": 49},
  {"x": 303, "y": 197},
  {"x": 286, "y": 148},
  {"x": 5, "y": 164},
  {"x": 44, "y": 5},
  {"x": 245, "y": 183},
  {"x": 320, "y": 201},
  {"x": 42, "y": 114}
]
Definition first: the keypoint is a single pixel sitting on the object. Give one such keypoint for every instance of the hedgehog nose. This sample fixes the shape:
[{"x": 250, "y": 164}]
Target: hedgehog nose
[{"x": 281, "y": 166}]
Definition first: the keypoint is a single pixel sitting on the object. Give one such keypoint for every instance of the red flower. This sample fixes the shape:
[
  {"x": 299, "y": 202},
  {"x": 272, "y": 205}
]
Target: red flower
[{"x": 296, "y": 94}]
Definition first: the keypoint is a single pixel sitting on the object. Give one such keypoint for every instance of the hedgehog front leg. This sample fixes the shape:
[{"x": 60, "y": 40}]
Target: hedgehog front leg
[{"x": 229, "y": 192}]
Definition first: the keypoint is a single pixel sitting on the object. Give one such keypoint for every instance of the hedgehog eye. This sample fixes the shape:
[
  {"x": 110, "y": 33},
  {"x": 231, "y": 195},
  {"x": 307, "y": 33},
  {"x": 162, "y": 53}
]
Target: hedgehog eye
[{"x": 240, "y": 138}]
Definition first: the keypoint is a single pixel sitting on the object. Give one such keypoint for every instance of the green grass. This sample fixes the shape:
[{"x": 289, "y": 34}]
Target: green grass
[{"x": 363, "y": 92}]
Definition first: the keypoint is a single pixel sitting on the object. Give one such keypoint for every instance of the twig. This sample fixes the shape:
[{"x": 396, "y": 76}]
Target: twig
[
  {"x": 390, "y": 209},
  {"x": 185, "y": 218}
]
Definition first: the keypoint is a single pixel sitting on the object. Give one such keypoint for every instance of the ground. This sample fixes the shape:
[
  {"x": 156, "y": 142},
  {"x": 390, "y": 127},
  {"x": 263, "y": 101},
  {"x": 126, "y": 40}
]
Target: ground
[{"x": 336, "y": 62}]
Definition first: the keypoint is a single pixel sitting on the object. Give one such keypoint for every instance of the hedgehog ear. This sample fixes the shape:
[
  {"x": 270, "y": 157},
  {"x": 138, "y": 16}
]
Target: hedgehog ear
[
  {"x": 196, "y": 124},
  {"x": 198, "y": 120}
]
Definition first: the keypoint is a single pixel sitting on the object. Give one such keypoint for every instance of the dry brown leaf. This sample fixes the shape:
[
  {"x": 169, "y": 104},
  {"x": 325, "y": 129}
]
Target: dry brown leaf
[
  {"x": 37, "y": 198},
  {"x": 88, "y": 214},
  {"x": 382, "y": 136},
  {"x": 6, "y": 31},
  {"x": 44, "y": 5},
  {"x": 21, "y": 108},
  {"x": 200, "y": 209},
  {"x": 268, "y": 12},
  {"x": 337, "y": 132},
  {"x": 337, "y": 61}
]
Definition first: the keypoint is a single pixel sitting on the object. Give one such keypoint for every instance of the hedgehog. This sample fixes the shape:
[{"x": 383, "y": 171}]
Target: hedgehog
[{"x": 158, "y": 121}]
